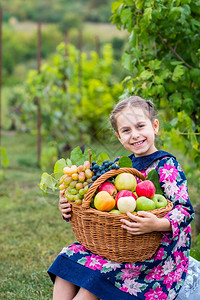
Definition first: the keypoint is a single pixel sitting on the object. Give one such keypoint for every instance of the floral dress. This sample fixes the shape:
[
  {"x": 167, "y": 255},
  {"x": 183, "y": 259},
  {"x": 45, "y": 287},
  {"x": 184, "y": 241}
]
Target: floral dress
[{"x": 161, "y": 276}]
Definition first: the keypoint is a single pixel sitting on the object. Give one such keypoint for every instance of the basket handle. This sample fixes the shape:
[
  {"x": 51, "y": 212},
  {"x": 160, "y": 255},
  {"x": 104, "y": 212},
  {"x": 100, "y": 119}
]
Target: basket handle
[{"x": 91, "y": 191}]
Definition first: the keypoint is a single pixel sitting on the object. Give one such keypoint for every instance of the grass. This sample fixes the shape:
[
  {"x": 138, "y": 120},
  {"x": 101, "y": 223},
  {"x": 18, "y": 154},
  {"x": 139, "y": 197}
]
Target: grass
[{"x": 32, "y": 230}]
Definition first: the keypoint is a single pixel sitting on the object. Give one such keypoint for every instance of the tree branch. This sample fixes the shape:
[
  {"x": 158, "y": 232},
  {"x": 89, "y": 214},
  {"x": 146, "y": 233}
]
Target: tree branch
[{"x": 174, "y": 52}]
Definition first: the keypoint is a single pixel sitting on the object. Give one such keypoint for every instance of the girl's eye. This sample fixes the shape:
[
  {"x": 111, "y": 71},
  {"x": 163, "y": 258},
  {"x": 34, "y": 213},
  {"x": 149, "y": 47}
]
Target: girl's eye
[
  {"x": 140, "y": 125},
  {"x": 126, "y": 130}
]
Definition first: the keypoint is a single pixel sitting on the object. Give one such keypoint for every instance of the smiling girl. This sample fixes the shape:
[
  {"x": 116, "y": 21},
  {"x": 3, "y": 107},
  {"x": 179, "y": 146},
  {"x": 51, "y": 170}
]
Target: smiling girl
[{"x": 79, "y": 274}]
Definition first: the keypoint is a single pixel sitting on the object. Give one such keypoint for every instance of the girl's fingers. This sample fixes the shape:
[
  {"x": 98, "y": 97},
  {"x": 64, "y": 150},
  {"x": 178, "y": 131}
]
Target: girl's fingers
[
  {"x": 66, "y": 209},
  {"x": 67, "y": 216},
  {"x": 62, "y": 193},
  {"x": 65, "y": 204},
  {"x": 133, "y": 231},
  {"x": 63, "y": 199}
]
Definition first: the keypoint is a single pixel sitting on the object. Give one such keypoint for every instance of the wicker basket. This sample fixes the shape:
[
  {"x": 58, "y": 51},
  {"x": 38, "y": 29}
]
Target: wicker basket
[{"x": 101, "y": 232}]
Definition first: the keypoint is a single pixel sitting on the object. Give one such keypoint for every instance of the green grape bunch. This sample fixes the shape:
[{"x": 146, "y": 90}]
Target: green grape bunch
[{"x": 75, "y": 181}]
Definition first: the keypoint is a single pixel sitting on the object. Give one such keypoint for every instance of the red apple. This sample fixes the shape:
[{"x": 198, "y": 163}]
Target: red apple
[
  {"x": 107, "y": 187},
  {"x": 124, "y": 193},
  {"x": 145, "y": 188}
]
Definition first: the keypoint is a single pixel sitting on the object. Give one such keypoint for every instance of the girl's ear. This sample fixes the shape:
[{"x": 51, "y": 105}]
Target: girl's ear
[
  {"x": 117, "y": 135},
  {"x": 155, "y": 126}
]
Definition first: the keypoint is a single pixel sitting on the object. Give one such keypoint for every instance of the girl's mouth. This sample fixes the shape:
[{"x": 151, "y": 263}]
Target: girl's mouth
[{"x": 138, "y": 143}]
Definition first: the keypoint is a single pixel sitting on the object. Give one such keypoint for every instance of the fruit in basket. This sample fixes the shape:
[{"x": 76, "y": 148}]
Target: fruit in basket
[
  {"x": 108, "y": 187},
  {"x": 103, "y": 201},
  {"x": 159, "y": 200},
  {"x": 86, "y": 164},
  {"x": 125, "y": 181},
  {"x": 75, "y": 181},
  {"x": 99, "y": 170},
  {"x": 115, "y": 211},
  {"x": 88, "y": 173},
  {"x": 144, "y": 203},
  {"x": 124, "y": 193},
  {"x": 145, "y": 188},
  {"x": 81, "y": 176},
  {"x": 79, "y": 185},
  {"x": 80, "y": 168},
  {"x": 125, "y": 204}
]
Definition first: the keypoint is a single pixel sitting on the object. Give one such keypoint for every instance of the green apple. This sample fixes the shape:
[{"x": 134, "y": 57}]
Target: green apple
[
  {"x": 115, "y": 211},
  {"x": 126, "y": 204},
  {"x": 159, "y": 200},
  {"x": 144, "y": 203},
  {"x": 125, "y": 181}
]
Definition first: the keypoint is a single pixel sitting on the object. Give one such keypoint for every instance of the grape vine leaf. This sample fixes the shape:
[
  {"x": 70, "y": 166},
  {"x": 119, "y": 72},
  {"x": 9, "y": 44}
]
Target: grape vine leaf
[
  {"x": 48, "y": 182},
  {"x": 58, "y": 168},
  {"x": 76, "y": 156},
  {"x": 125, "y": 162},
  {"x": 68, "y": 162},
  {"x": 102, "y": 157},
  {"x": 153, "y": 176}
]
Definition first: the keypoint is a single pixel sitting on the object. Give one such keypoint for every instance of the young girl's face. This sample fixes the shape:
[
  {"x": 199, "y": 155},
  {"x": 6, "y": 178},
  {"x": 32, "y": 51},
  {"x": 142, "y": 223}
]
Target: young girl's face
[{"x": 136, "y": 132}]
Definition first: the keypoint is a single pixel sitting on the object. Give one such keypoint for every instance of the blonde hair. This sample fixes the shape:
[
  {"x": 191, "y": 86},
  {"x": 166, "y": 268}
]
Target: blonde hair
[{"x": 134, "y": 101}]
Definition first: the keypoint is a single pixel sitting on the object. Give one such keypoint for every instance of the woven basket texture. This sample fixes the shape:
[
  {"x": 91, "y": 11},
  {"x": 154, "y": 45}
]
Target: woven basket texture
[{"x": 101, "y": 232}]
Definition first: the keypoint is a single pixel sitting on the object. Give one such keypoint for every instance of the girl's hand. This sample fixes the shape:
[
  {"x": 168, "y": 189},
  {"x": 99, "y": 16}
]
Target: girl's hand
[
  {"x": 144, "y": 223},
  {"x": 64, "y": 205}
]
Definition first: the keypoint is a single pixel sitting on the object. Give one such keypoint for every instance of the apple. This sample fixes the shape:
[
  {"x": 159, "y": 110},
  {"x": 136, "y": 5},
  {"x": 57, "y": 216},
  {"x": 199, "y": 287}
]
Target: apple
[
  {"x": 115, "y": 211},
  {"x": 145, "y": 188},
  {"x": 103, "y": 201},
  {"x": 159, "y": 200},
  {"x": 125, "y": 181},
  {"x": 124, "y": 193},
  {"x": 108, "y": 187},
  {"x": 144, "y": 203},
  {"x": 126, "y": 204}
]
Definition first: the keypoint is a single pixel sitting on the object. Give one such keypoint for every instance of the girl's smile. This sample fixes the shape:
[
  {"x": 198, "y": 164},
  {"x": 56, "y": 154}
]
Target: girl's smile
[{"x": 136, "y": 132}]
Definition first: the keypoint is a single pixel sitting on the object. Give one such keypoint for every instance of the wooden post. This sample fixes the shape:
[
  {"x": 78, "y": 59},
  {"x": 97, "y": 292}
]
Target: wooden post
[
  {"x": 80, "y": 63},
  {"x": 38, "y": 99},
  {"x": 1, "y": 20},
  {"x": 97, "y": 42},
  {"x": 66, "y": 41}
]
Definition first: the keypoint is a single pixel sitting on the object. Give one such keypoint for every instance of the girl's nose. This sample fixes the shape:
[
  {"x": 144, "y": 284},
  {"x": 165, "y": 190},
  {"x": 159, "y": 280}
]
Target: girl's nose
[{"x": 134, "y": 134}]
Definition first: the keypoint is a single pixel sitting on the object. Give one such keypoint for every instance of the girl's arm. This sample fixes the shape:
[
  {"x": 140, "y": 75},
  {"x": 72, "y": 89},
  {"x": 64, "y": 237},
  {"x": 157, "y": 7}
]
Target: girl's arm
[
  {"x": 145, "y": 222},
  {"x": 174, "y": 186}
]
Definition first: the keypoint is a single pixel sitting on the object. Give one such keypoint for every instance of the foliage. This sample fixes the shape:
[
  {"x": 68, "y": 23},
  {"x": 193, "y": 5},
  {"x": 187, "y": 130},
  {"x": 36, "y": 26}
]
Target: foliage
[
  {"x": 53, "y": 11},
  {"x": 16, "y": 112},
  {"x": 4, "y": 162},
  {"x": 195, "y": 250},
  {"x": 20, "y": 47},
  {"x": 76, "y": 92},
  {"x": 3, "y": 157},
  {"x": 163, "y": 61}
]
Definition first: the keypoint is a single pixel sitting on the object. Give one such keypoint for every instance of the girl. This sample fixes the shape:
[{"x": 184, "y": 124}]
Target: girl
[{"x": 79, "y": 274}]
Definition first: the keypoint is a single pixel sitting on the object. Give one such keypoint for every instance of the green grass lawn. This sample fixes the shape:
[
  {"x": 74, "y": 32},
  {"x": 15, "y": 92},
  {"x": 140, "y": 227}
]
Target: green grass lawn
[{"x": 32, "y": 230}]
